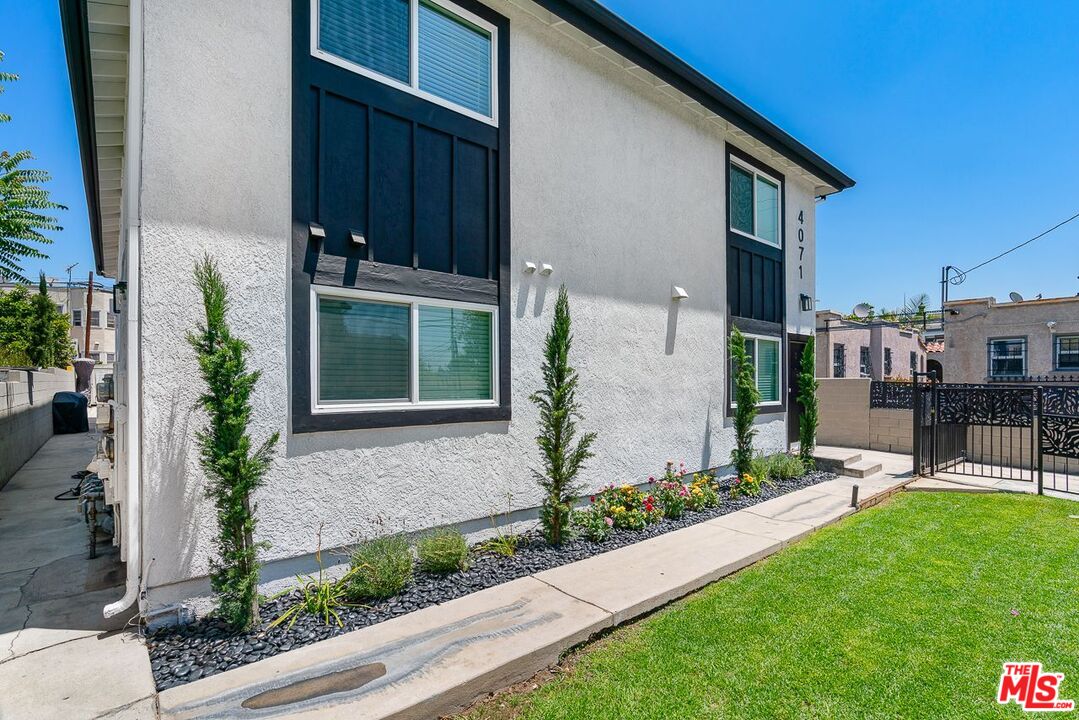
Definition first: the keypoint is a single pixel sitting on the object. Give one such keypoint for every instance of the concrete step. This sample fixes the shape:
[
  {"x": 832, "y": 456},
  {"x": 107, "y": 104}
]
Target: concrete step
[
  {"x": 860, "y": 469},
  {"x": 834, "y": 460}
]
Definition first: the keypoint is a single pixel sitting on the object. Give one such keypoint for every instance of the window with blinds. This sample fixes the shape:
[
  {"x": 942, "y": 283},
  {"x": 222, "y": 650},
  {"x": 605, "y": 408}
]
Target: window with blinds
[
  {"x": 379, "y": 351},
  {"x": 433, "y": 49},
  {"x": 764, "y": 353}
]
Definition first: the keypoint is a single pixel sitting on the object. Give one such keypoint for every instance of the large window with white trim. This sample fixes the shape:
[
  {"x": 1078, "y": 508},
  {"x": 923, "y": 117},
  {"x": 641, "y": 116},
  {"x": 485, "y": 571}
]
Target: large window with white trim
[
  {"x": 754, "y": 203},
  {"x": 764, "y": 353},
  {"x": 379, "y": 351},
  {"x": 436, "y": 50}
]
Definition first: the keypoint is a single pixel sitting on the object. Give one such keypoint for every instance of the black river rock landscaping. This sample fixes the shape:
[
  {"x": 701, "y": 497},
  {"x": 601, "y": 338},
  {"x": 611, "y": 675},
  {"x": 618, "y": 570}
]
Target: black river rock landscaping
[{"x": 206, "y": 647}]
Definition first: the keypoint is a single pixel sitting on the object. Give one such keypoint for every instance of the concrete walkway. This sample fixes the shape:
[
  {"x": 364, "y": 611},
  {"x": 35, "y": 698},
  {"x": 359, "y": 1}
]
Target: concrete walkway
[
  {"x": 59, "y": 658},
  {"x": 438, "y": 660}
]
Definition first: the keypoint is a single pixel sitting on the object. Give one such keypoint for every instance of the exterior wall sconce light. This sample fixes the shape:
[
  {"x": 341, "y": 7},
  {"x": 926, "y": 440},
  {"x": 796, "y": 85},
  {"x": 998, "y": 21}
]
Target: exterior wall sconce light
[
  {"x": 119, "y": 296},
  {"x": 807, "y": 302},
  {"x": 678, "y": 293},
  {"x": 357, "y": 237},
  {"x": 546, "y": 269},
  {"x": 530, "y": 267}
]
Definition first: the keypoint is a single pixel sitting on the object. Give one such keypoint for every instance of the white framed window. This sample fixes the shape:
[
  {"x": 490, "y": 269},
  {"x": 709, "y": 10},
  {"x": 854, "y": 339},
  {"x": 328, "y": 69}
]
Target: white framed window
[
  {"x": 1007, "y": 357},
  {"x": 433, "y": 49},
  {"x": 110, "y": 320},
  {"x": 381, "y": 351},
  {"x": 76, "y": 318},
  {"x": 753, "y": 204},
  {"x": 1066, "y": 352},
  {"x": 764, "y": 352},
  {"x": 95, "y": 318}
]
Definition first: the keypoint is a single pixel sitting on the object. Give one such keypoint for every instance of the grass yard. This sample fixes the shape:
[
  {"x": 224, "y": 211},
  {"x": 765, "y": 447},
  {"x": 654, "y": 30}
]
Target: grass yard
[{"x": 906, "y": 610}]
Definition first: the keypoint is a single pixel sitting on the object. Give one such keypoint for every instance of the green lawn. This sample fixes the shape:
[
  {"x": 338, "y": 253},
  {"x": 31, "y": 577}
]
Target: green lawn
[{"x": 902, "y": 611}]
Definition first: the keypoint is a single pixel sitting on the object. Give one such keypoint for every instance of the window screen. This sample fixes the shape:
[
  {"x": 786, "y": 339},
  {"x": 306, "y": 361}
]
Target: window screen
[
  {"x": 768, "y": 370},
  {"x": 455, "y": 59},
  {"x": 370, "y": 33},
  {"x": 455, "y": 354},
  {"x": 363, "y": 350}
]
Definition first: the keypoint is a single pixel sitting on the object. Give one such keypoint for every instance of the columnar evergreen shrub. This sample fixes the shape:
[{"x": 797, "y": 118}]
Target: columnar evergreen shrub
[
  {"x": 233, "y": 469},
  {"x": 559, "y": 411},
  {"x": 807, "y": 396},
  {"x": 746, "y": 398}
]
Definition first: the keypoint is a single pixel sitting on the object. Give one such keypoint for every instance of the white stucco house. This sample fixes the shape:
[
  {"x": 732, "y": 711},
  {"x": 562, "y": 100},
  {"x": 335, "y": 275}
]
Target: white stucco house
[{"x": 394, "y": 190}]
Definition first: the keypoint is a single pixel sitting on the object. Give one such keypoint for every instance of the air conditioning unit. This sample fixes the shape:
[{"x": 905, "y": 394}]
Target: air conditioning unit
[{"x": 104, "y": 389}]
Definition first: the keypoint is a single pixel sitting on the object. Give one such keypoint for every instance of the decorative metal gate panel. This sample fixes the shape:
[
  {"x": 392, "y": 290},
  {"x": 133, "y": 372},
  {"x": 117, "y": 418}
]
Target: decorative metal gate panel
[{"x": 1019, "y": 433}]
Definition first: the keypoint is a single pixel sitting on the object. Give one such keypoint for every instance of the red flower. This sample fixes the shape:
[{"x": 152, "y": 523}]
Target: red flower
[{"x": 592, "y": 498}]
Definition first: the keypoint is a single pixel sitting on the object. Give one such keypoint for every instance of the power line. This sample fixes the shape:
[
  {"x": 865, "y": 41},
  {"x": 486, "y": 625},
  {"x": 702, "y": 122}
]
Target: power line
[{"x": 963, "y": 273}]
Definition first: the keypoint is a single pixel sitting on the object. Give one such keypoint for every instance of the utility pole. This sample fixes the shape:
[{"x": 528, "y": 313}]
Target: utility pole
[
  {"x": 69, "y": 269},
  {"x": 89, "y": 306}
]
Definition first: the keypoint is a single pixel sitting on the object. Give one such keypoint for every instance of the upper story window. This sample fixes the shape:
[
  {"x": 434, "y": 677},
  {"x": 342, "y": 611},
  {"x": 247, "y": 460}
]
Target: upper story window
[
  {"x": 754, "y": 203},
  {"x": 110, "y": 320},
  {"x": 865, "y": 362},
  {"x": 436, "y": 50},
  {"x": 1007, "y": 357},
  {"x": 76, "y": 318},
  {"x": 1066, "y": 352},
  {"x": 95, "y": 318},
  {"x": 839, "y": 360}
]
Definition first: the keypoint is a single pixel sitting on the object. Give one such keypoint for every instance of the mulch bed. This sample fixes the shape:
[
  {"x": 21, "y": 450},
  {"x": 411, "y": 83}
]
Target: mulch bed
[{"x": 206, "y": 647}]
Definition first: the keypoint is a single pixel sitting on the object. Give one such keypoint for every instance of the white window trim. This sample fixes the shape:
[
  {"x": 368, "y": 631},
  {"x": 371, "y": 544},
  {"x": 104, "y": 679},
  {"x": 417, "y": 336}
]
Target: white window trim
[
  {"x": 756, "y": 369},
  {"x": 993, "y": 356},
  {"x": 413, "y": 402},
  {"x": 779, "y": 205},
  {"x": 1056, "y": 352},
  {"x": 413, "y": 86}
]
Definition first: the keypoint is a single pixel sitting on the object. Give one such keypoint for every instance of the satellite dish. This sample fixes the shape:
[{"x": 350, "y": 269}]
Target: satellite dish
[
  {"x": 1015, "y": 297},
  {"x": 862, "y": 310}
]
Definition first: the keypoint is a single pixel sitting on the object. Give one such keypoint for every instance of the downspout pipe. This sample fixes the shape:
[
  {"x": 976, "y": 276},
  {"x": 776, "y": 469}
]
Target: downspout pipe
[{"x": 132, "y": 229}]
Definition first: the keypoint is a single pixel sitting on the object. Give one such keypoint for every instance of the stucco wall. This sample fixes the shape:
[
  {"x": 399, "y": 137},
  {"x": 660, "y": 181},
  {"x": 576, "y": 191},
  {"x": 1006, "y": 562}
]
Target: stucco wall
[
  {"x": 612, "y": 183},
  {"x": 876, "y": 337},
  {"x": 976, "y": 321},
  {"x": 26, "y": 414}
]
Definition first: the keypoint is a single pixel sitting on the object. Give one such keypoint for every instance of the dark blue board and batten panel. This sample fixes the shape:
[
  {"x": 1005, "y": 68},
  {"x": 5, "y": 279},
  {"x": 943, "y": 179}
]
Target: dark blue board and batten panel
[{"x": 425, "y": 186}]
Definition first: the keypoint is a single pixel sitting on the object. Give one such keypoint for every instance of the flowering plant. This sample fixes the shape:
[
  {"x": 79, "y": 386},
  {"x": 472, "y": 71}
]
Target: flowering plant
[
  {"x": 746, "y": 484},
  {"x": 703, "y": 492},
  {"x": 670, "y": 491},
  {"x": 593, "y": 524}
]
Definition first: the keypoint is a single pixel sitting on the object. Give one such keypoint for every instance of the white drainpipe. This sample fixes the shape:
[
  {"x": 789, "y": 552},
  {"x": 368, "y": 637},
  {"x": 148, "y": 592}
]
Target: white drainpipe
[{"x": 132, "y": 508}]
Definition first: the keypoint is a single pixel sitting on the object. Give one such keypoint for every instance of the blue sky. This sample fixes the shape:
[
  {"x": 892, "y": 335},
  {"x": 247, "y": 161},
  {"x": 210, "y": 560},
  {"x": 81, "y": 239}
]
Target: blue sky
[{"x": 958, "y": 120}]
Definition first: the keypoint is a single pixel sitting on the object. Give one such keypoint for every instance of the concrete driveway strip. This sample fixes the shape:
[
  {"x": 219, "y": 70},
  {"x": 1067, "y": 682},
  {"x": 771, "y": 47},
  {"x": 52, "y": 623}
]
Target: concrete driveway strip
[
  {"x": 427, "y": 663},
  {"x": 635, "y": 579}
]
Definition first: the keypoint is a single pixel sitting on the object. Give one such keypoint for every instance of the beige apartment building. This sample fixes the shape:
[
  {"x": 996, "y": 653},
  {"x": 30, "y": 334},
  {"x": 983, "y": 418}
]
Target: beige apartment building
[
  {"x": 70, "y": 300},
  {"x": 873, "y": 349},
  {"x": 1026, "y": 341}
]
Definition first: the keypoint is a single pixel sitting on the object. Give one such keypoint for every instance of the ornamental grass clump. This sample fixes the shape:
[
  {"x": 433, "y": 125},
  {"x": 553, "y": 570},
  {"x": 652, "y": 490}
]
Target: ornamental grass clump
[
  {"x": 318, "y": 596},
  {"x": 443, "y": 551},
  {"x": 382, "y": 567},
  {"x": 233, "y": 469},
  {"x": 782, "y": 466},
  {"x": 558, "y": 415}
]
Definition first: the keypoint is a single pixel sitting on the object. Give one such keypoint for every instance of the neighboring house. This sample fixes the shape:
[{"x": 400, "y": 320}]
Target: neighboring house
[
  {"x": 393, "y": 256},
  {"x": 70, "y": 300},
  {"x": 1014, "y": 342},
  {"x": 867, "y": 348}
]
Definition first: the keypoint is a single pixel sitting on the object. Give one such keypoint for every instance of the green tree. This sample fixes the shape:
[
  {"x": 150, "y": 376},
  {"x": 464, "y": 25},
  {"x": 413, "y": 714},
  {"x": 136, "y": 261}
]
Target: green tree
[
  {"x": 33, "y": 332},
  {"x": 21, "y": 196},
  {"x": 234, "y": 470},
  {"x": 559, "y": 411},
  {"x": 746, "y": 397},
  {"x": 807, "y": 396}
]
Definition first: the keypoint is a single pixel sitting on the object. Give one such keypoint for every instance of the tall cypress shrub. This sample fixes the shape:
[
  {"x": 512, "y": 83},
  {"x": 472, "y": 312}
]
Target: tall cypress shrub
[
  {"x": 746, "y": 398},
  {"x": 233, "y": 469},
  {"x": 559, "y": 411},
  {"x": 807, "y": 396}
]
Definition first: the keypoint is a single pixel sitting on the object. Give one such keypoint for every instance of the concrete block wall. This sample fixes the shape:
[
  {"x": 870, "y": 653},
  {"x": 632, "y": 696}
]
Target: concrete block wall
[
  {"x": 26, "y": 414},
  {"x": 847, "y": 420}
]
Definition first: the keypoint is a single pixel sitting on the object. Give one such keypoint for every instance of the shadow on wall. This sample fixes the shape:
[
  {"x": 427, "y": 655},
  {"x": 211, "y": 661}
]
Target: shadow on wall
[
  {"x": 672, "y": 325},
  {"x": 541, "y": 283},
  {"x": 299, "y": 445},
  {"x": 177, "y": 488}
]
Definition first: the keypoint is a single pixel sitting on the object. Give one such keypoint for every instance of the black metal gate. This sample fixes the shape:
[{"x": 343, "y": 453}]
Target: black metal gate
[{"x": 1019, "y": 433}]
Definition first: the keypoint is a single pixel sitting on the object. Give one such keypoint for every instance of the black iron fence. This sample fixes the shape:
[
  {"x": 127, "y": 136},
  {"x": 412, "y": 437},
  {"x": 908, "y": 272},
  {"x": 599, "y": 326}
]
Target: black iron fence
[{"x": 1020, "y": 433}]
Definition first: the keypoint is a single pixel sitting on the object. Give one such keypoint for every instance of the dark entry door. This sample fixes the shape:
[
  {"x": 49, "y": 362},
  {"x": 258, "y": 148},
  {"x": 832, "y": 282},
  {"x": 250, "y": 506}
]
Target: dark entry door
[{"x": 795, "y": 348}]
